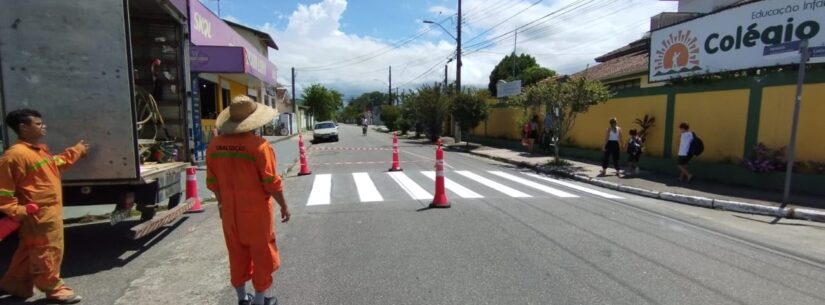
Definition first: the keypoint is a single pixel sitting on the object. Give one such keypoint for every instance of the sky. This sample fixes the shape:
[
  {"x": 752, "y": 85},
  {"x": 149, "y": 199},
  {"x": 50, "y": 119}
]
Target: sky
[{"x": 348, "y": 45}]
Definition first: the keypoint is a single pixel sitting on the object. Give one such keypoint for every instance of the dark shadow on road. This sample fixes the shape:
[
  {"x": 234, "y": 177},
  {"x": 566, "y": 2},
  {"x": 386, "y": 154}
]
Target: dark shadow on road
[
  {"x": 778, "y": 222},
  {"x": 96, "y": 247}
]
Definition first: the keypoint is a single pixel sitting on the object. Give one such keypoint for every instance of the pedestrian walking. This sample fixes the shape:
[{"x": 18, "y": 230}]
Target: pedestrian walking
[
  {"x": 612, "y": 146},
  {"x": 531, "y": 132},
  {"x": 31, "y": 193},
  {"x": 684, "y": 152},
  {"x": 242, "y": 172},
  {"x": 634, "y": 152},
  {"x": 547, "y": 131}
]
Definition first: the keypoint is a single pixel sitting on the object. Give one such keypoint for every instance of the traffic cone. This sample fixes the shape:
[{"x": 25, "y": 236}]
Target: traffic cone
[
  {"x": 192, "y": 190},
  {"x": 304, "y": 163},
  {"x": 440, "y": 199},
  {"x": 395, "y": 163}
]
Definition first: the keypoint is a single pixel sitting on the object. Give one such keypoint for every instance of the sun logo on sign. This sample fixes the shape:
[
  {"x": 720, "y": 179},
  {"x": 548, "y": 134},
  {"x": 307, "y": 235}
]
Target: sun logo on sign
[{"x": 677, "y": 54}]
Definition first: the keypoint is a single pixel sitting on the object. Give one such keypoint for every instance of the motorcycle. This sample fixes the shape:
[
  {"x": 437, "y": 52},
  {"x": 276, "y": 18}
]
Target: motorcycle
[{"x": 364, "y": 129}]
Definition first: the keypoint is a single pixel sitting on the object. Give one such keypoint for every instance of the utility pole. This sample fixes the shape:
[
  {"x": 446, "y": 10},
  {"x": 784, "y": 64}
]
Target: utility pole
[
  {"x": 294, "y": 102},
  {"x": 389, "y": 88},
  {"x": 445, "y": 78},
  {"x": 397, "y": 100},
  {"x": 515, "y": 42},
  {"x": 458, "y": 51}
]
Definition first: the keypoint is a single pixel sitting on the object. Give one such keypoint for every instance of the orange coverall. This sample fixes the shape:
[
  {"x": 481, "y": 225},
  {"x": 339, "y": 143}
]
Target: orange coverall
[
  {"x": 241, "y": 170},
  {"x": 29, "y": 174}
]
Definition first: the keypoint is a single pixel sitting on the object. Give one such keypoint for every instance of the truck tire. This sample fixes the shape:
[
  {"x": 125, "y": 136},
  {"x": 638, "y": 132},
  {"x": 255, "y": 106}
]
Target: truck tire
[
  {"x": 147, "y": 211},
  {"x": 174, "y": 200}
]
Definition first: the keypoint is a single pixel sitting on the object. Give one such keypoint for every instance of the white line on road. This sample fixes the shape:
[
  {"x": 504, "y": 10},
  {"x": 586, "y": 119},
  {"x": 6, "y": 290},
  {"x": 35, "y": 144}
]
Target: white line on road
[
  {"x": 427, "y": 158},
  {"x": 321, "y": 189},
  {"x": 366, "y": 189},
  {"x": 462, "y": 191},
  {"x": 534, "y": 185},
  {"x": 494, "y": 185},
  {"x": 573, "y": 186},
  {"x": 414, "y": 190}
]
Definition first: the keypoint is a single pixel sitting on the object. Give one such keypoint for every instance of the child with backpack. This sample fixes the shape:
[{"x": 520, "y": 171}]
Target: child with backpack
[{"x": 634, "y": 152}]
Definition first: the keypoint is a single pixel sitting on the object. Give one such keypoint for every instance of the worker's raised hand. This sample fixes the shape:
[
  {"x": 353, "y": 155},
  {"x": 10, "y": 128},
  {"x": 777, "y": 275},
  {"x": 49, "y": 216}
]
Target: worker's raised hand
[
  {"x": 83, "y": 144},
  {"x": 285, "y": 213}
]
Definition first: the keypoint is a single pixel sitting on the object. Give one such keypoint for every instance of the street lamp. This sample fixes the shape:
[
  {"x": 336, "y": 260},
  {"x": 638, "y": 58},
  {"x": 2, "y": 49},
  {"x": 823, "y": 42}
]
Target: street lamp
[{"x": 457, "y": 38}]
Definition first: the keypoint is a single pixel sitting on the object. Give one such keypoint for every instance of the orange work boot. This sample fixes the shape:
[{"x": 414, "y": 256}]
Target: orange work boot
[{"x": 63, "y": 295}]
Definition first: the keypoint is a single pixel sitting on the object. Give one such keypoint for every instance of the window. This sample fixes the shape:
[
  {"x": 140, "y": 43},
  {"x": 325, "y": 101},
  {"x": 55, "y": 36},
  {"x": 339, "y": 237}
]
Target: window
[{"x": 626, "y": 84}]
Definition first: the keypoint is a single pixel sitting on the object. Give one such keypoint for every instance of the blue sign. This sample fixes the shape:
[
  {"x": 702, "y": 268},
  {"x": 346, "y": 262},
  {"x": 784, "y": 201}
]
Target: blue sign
[
  {"x": 782, "y": 48},
  {"x": 817, "y": 51}
]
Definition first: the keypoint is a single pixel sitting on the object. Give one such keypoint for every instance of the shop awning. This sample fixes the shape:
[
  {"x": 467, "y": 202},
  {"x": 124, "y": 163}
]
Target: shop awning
[{"x": 213, "y": 38}]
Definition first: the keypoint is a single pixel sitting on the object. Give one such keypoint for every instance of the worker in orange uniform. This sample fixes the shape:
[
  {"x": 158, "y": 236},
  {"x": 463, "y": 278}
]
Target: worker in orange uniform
[
  {"x": 29, "y": 174},
  {"x": 242, "y": 172}
]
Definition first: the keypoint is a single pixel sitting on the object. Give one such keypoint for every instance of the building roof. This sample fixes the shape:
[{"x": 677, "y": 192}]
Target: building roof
[
  {"x": 629, "y": 64},
  {"x": 263, "y": 35}
]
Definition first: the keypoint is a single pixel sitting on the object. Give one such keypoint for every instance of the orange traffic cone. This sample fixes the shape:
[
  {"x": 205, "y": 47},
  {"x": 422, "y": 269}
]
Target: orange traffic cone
[
  {"x": 395, "y": 163},
  {"x": 440, "y": 200},
  {"x": 304, "y": 163},
  {"x": 192, "y": 190}
]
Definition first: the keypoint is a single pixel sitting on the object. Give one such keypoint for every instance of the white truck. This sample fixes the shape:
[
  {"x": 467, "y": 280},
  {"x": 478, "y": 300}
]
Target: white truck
[{"x": 114, "y": 73}]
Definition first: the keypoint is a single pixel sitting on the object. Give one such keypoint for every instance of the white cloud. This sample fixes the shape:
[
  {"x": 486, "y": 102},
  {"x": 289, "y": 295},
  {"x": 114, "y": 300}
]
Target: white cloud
[{"x": 314, "y": 42}]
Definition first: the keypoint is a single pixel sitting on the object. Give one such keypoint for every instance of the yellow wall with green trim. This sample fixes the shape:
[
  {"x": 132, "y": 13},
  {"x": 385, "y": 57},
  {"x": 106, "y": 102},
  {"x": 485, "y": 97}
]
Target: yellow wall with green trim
[
  {"x": 719, "y": 118},
  {"x": 776, "y": 116},
  {"x": 501, "y": 122},
  {"x": 589, "y": 128}
]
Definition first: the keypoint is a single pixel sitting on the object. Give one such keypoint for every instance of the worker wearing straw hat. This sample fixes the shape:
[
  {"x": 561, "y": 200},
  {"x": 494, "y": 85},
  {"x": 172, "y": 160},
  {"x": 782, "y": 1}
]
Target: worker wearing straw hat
[{"x": 241, "y": 172}]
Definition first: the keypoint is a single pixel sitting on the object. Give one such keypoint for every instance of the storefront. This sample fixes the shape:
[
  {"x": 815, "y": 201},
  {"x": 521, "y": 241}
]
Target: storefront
[{"x": 223, "y": 65}]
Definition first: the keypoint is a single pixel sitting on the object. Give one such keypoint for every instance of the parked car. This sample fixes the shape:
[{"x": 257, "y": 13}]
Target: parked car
[{"x": 325, "y": 131}]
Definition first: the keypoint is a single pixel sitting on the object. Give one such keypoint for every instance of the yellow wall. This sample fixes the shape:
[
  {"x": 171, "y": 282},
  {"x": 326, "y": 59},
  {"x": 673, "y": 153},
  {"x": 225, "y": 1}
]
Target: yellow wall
[
  {"x": 235, "y": 89},
  {"x": 719, "y": 118},
  {"x": 589, "y": 128},
  {"x": 776, "y": 116},
  {"x": 502, "y": 122}
]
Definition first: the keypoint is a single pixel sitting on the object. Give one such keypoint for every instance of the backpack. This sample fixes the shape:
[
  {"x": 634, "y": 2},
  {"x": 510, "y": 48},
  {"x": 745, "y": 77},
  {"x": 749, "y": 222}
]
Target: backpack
[
  {"x": 634, "y": 147},
  {"x": 696, "y": 146}
]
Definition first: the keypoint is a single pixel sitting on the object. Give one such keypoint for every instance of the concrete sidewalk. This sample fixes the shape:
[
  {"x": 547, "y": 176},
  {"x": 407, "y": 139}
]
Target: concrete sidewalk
[{"x": 649, "y": 184}]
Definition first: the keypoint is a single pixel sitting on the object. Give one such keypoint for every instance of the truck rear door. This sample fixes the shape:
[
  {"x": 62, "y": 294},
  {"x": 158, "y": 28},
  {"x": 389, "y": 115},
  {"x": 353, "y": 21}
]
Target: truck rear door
[{"x": 70, "y": 60}]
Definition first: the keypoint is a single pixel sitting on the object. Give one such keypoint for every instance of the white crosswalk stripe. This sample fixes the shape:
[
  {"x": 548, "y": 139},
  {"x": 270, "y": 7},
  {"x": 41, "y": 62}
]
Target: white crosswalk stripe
[
  {"x": 534, "y": 185},
  {"x": 413, "y": 189},
  {"x": 366, "y": 188},
  {"x": 370, "y": 190},
  {"x": 321, "y": 190},
  {"x": 460, "y": 190},
  {"x": 575, "y": 187},
  {"x": 494, "y": 185}
]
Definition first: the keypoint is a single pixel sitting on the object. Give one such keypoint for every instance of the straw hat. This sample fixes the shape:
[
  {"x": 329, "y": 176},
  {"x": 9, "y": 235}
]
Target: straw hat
[{"x": 244, "y": 115}]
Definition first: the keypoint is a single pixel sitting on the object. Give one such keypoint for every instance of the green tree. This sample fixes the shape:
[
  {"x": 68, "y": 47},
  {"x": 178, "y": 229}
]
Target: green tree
[
  {"x": 426, "y": 107},
  {"x": 513, "y": 67},
  {"x": 322, "y": 102},
  {"x": 390, "y": 115},
  {"x": 469, "y": 109},
  {"x": 571, "y": 97}
]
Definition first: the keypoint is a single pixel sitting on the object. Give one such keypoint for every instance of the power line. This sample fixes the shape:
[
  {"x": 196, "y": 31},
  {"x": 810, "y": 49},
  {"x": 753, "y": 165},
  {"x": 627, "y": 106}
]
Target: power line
[
  {"x": 505, "y": 20},
  {"x": 371, "y": 55}
]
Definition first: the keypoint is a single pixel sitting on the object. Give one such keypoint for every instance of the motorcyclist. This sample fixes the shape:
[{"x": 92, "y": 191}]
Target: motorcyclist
[{"x": 364, "y": 125}]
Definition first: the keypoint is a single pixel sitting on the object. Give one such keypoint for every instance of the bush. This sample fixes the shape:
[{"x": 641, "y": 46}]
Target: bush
[
  {"x": 763, "y": 159},
  {"x": 403, "y": 125}
]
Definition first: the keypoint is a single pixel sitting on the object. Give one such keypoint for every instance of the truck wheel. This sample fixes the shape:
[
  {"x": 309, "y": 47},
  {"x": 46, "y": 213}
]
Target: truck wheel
[
  {"x": 174, "y": 200},
  {"x": 147, "y": 211}
]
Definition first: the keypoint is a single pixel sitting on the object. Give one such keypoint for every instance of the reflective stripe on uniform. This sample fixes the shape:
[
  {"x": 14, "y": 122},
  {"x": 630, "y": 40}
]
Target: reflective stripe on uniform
[
  {"x": 210, "y": 180},
  {"x": 38, "y": 165},
  {"x": 233, "y": 155},
  {"x": 58, "y": 160},
  {"x": 6, "y": 193},
  {"x": 268, "y": 180}
]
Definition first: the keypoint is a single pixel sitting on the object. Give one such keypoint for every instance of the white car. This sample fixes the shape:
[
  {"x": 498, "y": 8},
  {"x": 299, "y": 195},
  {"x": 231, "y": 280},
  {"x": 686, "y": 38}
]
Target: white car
[{"x": 325, "y": 131}]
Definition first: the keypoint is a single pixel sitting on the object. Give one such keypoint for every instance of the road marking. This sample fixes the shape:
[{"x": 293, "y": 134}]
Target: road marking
[
  {"x": 321, "y": 189},
  {"x": 573, "y": 186},
  {"x": 494, "y": 185},
  {"x": 366, "y": 189},
  {"x": 414, "y": 190},
  {"x": 455, "y": 187},
  {"x": 534, "y": 185}
]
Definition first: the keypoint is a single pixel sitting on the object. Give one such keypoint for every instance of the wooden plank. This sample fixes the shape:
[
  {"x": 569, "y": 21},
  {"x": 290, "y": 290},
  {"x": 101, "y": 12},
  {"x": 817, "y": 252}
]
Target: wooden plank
[{"x": 161, "y": 219}]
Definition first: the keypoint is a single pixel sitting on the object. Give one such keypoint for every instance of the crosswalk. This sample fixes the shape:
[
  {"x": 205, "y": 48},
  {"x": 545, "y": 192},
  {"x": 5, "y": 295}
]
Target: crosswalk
[{"x": 328, "y": 189}]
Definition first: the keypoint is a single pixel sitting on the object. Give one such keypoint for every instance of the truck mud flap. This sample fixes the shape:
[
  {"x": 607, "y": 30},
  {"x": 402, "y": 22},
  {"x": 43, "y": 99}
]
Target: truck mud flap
[{"x": 161, "y": 219}]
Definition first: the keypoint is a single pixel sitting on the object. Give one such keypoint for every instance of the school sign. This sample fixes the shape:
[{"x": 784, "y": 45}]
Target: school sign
[{"x": 734, "y": 39}]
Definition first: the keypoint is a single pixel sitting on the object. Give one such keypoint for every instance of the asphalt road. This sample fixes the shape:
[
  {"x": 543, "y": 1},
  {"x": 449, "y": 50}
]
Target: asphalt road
[{"x": 510, "y": 237}]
